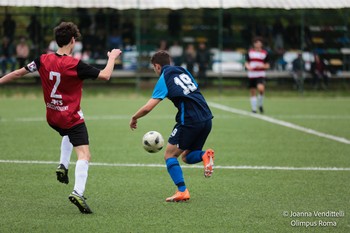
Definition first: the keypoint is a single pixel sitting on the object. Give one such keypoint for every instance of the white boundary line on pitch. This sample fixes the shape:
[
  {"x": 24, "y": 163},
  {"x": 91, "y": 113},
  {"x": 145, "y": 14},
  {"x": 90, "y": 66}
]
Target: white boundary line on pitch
[
  {"x": 242, "y": 167},
  {"x": 279, "y": 122}
]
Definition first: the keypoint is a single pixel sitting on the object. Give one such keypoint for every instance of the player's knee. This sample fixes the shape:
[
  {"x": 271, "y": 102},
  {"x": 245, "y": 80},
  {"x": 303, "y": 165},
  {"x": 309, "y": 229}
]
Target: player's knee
[
  {"x": 86, "y": 157},
  {"x": 168, "y": 156},
  {"x": 83, "y": 152}
]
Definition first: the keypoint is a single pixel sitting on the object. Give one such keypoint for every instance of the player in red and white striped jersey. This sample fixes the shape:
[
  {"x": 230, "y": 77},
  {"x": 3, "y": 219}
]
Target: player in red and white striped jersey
[{"x": 257, "y": 63}]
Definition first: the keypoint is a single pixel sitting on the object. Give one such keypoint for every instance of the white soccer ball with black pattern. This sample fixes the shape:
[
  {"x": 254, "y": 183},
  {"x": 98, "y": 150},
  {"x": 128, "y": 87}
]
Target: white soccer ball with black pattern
[{"x": 152, "y": 141}]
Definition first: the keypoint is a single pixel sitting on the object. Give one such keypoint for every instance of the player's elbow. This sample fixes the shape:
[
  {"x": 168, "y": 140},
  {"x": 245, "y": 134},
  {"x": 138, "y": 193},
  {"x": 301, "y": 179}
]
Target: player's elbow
[{"x": 104, "y": 76}]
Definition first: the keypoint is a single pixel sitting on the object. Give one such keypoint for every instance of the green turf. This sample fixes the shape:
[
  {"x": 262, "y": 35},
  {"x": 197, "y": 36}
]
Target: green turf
[{"x": 131, "y": 199}]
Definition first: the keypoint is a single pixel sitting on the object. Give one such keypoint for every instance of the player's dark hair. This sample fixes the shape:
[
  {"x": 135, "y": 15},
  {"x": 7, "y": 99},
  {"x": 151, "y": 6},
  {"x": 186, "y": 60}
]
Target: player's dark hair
[
  {"x": 161, "y": 57},
  {"x": 258, "y": 38},
  {"x": 64, "y": 33}
]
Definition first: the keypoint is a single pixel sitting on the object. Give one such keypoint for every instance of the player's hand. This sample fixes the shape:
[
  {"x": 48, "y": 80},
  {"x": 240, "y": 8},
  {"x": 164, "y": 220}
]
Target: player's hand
[
  {"x": 114, "y": 53},
  {"x": 133, "y": 124}
]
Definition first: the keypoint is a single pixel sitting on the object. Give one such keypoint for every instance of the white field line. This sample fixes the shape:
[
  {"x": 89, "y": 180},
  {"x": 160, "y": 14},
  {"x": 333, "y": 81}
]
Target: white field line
[
  {"x": 187, "y": 166},
  {"x": 279, "y": 122},
  {"x": 313, "y": 117}
]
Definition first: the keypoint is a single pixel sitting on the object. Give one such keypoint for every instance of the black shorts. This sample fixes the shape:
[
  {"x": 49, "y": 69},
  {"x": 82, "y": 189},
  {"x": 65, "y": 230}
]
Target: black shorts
[
  {"x": 253, "y": 82},
  {"x": 190, "y": 137},
  {"x": 78, "y": 134}
]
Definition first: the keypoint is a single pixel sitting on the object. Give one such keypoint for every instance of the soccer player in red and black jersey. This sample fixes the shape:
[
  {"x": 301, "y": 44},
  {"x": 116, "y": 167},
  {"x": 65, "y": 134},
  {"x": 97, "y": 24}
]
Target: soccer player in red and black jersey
[
  {"x": 257, "y": 63},
  {"x": 62, "y": 79}
]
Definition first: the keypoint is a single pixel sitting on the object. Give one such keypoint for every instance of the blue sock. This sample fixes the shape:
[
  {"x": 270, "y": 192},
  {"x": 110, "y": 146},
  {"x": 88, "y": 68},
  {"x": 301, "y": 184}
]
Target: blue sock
[
  {"x": 194, "y": 156},
  {"x": 175, "y": 173}
]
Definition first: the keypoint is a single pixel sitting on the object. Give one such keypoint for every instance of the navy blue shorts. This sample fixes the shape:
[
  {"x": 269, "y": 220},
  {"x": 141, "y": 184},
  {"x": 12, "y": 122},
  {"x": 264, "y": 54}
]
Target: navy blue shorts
[
  {"x": 190, "y": 137},
  {"x": 78, "y": 134}
]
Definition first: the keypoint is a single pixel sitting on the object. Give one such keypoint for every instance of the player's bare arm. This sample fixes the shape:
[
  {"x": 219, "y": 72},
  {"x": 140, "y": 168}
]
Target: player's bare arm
[
  {"x": 143, "y": 111},
  {"x": 106, "y": 73},
  {"x": 13, "y": 75}
]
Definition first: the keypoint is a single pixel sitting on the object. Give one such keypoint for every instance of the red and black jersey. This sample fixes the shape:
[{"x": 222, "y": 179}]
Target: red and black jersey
[
  {"x": 256, "y": 60},
  {"x": 62, "y": 81}
]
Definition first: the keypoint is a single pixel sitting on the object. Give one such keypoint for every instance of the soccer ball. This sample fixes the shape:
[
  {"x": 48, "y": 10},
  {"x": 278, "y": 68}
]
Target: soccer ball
[{"x": 152, "y": 141}]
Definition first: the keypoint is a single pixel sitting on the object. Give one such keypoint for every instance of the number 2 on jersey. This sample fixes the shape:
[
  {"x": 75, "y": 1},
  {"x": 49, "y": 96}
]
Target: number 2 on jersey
[
  {"x": 185, "y": 82},
  {"x": 54, "y": 89}
]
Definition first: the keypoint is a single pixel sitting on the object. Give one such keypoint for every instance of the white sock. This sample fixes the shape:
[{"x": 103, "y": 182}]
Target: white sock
[
  {"x": 253, "y": 103},
  {"x": 260, "y": 100},
  {"x": 66, "y": 151},
  {"x": 81, "y": 174}
]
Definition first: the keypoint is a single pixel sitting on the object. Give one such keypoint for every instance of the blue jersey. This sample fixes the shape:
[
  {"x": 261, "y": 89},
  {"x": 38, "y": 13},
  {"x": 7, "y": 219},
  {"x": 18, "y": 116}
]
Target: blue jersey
[{"x": 178, "y": 85}]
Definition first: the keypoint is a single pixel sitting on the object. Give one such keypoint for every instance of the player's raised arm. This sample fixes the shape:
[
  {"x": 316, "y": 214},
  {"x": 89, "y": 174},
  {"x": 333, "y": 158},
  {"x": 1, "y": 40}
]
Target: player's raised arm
[
  {"x": 106, "y": 73},
  {"x": 16, "y": 74}
]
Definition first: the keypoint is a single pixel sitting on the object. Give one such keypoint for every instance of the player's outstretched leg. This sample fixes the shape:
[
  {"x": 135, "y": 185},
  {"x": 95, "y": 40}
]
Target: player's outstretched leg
[
  {"x": 80, "y": 202},
  {"x": 208, "y": 162},
  {"x": 62, "y": 174}
]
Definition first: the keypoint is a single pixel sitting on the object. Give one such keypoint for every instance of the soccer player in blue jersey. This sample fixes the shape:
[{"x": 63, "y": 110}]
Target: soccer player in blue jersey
[{"x": 193, "y": 121}]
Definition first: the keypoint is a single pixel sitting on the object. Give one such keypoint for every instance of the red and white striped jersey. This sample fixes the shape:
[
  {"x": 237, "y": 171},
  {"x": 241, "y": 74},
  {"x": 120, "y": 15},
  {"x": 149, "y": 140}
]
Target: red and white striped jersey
[{"x": 256, "y": 60}]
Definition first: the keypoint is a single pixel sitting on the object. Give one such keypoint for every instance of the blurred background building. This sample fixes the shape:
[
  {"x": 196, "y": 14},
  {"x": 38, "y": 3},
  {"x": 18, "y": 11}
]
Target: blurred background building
[{"x": 139, "y": 29}]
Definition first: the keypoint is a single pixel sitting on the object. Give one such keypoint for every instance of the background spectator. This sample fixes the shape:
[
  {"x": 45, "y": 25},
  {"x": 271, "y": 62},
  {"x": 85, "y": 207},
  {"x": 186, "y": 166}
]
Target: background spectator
[
  {"x": 87, "y": 55},
  {"x": 190, "y": 58},
  {"x": 9, "y": 26},
  {"x": 7, "y": 55},
  {"x": 298, "y": 71},
  {"x": 163, "y": 45},
  {"x": 203, "y": 60},
  {"x": 176, "y": 52},
  {"x": 319, "y": 72},
  {"x": 52, "y": 46},
  {"x": 78, "y": 49},
  {"x": 22, "y": 51},
  {"x": 34, "y": 31}
]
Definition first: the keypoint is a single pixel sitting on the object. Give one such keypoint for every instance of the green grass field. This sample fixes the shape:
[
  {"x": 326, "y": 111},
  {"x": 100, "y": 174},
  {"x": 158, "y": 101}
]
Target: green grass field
[{"x": 260, "y": 197}]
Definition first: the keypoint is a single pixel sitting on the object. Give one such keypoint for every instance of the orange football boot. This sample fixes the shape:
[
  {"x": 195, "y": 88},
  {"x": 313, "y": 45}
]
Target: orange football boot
[
  {"x": 179, "y": 196},
  {"x": 208, "y": 161}
]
